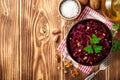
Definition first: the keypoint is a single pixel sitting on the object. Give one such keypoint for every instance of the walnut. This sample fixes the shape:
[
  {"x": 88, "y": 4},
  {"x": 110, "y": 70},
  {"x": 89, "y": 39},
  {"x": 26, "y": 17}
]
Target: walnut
[
  {"x": 95, "y": 4},
  {"x": 68, "y": 64},
  {"x": 74, "y": 72}
]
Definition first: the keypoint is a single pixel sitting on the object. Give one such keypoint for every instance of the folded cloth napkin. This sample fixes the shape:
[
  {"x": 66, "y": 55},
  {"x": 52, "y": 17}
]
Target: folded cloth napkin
[{"x": 86, "y": 14}]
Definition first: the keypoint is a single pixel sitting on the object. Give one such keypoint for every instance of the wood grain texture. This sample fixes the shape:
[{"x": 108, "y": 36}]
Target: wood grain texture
[{"x": 27, "y": 48}]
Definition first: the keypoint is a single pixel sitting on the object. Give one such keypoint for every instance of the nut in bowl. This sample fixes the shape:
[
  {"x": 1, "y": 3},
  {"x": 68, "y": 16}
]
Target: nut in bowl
[
  {"x": 89, "y": 42},
  {"x": 69, "y": 9}
]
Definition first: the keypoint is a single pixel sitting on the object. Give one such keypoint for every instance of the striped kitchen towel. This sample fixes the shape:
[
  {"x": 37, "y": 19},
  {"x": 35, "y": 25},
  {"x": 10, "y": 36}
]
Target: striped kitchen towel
[
  {"x": 87, "y": 13},
  {"x": 62, "y": 49}
]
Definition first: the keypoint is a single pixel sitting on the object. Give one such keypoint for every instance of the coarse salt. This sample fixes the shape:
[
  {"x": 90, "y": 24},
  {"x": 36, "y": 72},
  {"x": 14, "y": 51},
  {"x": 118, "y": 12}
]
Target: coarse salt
[{"x": 69, "y": 8}]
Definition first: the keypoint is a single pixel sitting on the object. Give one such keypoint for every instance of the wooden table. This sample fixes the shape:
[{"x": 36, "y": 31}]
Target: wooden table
[{"x": 27, "y": 48}]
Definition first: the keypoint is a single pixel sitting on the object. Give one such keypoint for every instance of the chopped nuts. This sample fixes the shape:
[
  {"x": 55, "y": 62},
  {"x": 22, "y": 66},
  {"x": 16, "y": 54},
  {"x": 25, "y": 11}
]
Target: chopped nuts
[
  {"x": 103, "y": 34},
  {"x": 74, "y": 72},
  {"x": 57, "y": 58},
  {"x": 85, "y": 58},
  {"x": 56, "y": 38},
  {"x": 56, "y": 31},
  {"x": 88, "y": 27},
  {"x": 58, "y": 67},
  {"x": 78, "y": 44},
  {"x": 68, "y": 64},
  {"x": 79, "y": 50},
  {"x": 98, "y": 54},
  {"x": 65, "y": 71}
]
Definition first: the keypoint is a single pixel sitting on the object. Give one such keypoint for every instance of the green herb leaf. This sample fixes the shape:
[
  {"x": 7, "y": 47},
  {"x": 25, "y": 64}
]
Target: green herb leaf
[
  {"x": 88, "y": 49},
  {"x": 115, "y": 45},
  {"x": 94, "y": 39},
  {"x": 119, "y": 47},
  {"x": 112, "y": 31},
  {"x": 116, "y": 26},
  {"x": 97, "y": 48}
]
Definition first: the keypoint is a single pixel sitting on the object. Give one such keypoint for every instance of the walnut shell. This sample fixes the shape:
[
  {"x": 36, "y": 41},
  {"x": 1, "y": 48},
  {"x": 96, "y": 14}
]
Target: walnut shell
[
  {"x": 95, "y": 4},
  {"x": 83, "y": 2}
]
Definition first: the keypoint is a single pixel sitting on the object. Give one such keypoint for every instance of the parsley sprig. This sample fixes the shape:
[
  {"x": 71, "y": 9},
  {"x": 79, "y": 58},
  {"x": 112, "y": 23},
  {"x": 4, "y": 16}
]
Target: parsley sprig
[
  {"x": 116, "y": 27},
  {"x": 116, "y": 44},
  {"x": 89, "y": 49},
  {"x": 97, "y": 48},
  {"x": 94, "y": 40},
  {"x": 113, "y": 32}
]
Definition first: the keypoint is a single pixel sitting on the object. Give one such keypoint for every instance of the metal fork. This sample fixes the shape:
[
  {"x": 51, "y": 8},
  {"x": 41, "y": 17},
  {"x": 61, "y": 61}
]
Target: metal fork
[{"x": 103, "y": 66}]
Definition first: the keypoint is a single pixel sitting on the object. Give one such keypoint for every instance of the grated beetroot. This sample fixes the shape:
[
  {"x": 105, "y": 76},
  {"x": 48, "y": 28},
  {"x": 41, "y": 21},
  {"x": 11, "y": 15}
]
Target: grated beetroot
[{"x": 79, "y": 37}]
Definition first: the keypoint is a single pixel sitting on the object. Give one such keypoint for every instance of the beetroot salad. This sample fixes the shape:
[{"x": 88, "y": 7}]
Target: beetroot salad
[{"x": 89, "y": 42}]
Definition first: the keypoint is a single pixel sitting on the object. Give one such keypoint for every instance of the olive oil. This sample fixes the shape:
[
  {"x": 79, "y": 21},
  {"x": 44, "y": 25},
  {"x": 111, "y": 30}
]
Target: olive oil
[{"x": 111, "y": 9}]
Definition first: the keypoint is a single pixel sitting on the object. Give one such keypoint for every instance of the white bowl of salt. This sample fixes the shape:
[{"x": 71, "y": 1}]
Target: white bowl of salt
[{"x": 69, "y": 9}]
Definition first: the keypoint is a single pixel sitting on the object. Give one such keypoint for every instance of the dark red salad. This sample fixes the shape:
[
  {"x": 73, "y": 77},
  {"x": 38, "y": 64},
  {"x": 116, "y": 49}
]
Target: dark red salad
[{"x": 89, "y": 42}]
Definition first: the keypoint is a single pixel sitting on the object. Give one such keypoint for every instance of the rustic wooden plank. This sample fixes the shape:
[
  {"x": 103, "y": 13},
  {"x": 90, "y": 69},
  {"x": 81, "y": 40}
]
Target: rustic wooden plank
[
  {"x": 9, "y": 40},
  {"x": 27, "y": 48},
  {"x": 38, "y": 48}
]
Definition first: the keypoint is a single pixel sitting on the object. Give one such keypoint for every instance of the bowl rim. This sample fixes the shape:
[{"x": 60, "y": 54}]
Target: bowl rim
[
  {"x": 59, "y": 11},
  {"x": 67, "y": 49}
]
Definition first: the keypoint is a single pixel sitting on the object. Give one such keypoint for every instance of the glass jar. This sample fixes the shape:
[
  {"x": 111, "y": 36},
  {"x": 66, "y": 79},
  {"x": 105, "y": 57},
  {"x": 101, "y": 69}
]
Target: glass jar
[{"x": 111, "y": 9}]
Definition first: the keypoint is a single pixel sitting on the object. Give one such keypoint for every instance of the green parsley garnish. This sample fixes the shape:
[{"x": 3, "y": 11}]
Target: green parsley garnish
[
  {"x": 116, "y": 26},
  {"x": 97, "y": 48},
  {"x": 94, "y": 39},
  {"x": 112, "y": 31},
  {"x": 88, "y": 49},
  {"x": 116, "y": 45}
]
